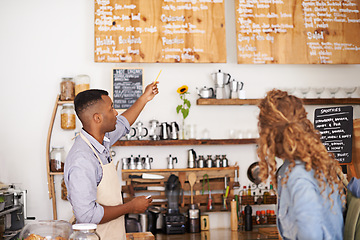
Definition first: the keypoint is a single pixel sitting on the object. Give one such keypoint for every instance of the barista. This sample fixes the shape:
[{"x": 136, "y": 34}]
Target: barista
[{"x": 90, "y": 176}]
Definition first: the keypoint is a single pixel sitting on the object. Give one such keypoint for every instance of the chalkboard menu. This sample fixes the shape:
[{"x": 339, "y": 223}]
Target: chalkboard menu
[
  {"x": 167, "y": 31},
  {"x": 127, "y": 86},
  {"x": 298, "y": 32},
  {"x": 336, "y": 127}
]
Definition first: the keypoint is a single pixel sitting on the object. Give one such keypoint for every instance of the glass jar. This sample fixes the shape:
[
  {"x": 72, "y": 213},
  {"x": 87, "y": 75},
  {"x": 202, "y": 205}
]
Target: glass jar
[
  {"x": 67, "y": 90},
  {"x": 82, "y": 83},
  {"x": 49, "y": 230},
  {"x": 84, "y": 231},
  {"x": 68, "y": 116},
  {"x": 57, "y": 159}
]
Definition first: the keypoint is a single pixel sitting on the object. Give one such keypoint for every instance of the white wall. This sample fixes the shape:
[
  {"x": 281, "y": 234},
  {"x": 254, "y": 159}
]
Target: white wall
[{"x": 42, "y": 41}]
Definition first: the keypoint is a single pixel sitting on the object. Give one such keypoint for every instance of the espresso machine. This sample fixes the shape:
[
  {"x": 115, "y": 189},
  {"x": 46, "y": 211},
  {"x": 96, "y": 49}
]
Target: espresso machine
[{"x": 174, "y": 222}]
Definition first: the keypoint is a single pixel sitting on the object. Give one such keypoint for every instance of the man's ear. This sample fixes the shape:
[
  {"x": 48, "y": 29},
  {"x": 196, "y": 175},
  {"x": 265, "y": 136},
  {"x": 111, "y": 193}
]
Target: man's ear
[{"x": 97, "y": 117}]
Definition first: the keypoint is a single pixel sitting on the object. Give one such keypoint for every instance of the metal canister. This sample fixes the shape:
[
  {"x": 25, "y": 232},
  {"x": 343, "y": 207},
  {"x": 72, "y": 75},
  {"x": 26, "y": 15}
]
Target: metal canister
[
  {"x": 225, "y": 162},
  {"x": 143, "y": 218},
  {"x": 125, "y": 164},
  {"x": 209, "y": 162}
]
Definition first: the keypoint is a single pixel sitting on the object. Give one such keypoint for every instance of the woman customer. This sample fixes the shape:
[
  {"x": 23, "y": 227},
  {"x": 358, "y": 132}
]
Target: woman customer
[{"x": 309, "y": 191}]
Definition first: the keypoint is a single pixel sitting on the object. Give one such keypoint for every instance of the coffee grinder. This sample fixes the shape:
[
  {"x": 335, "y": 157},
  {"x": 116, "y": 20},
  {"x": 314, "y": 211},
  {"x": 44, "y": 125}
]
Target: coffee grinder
[{"x": 174, "y": 221}]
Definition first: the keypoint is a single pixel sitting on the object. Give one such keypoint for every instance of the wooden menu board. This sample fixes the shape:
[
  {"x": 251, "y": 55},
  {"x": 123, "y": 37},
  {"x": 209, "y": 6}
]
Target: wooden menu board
[
  {"x": 299, "y": 32},
  {"x": 127, "y": 86},
  {"x": 335, "y": 125},
  {"x": 191, "y": 31}
]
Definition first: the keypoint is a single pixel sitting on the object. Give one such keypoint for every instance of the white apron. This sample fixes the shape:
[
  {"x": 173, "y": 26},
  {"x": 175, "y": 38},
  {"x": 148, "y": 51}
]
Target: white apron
[{"x": 109, "y": 194}]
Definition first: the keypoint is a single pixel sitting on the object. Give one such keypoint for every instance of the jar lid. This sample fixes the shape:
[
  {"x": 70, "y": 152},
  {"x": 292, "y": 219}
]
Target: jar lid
[
  {"x": 57, "y": 147},
  {"x": 84, "y": 226},
  {"x": 68, "y": 104},
  {"x": 67, "y": 78}
]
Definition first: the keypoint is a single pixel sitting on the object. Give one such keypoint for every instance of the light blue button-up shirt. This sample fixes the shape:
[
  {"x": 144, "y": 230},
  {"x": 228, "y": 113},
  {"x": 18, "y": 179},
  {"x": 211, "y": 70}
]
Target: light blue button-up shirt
[
  {"x": 305, "y": 213},
  {"x": 83, "y": 172}
]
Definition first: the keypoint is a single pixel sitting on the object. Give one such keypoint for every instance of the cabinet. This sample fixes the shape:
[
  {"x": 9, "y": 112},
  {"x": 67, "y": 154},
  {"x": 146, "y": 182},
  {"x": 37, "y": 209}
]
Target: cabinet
[{"x": 217, "y": 185}]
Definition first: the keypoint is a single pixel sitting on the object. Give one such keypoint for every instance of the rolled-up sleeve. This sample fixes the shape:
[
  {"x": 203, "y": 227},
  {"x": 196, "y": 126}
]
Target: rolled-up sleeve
[{"x": 82, "y": 189}]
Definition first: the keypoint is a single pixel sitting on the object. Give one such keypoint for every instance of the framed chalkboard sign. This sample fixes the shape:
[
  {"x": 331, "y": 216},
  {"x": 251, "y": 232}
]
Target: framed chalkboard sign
[
  {"x": 127, "y": 86},
  {"x": 336, "y": 127}
]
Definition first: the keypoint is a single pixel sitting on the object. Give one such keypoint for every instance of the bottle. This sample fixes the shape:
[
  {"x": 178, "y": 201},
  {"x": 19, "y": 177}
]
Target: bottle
[
  {"x": 68, "y": 116},
  {"x": 209, "y": 204},
  {"x": 263, "y": 218},
  {"x": 248, "y": 218},
  {"x": 260, "y": 198},
  {"x": 82, "y": 83},
  {"x": 244, "y": 193},
  {"x": 257, "y": 217},
  {"x": 234, "y": 218},
  {"x": 266, "y": 194},
  {"x": 84, "y": 231},
  {"x": 268, "y": 213},
  {"x": 272, "y": 191},
  {"x": 67, "y": 91},
  {"x": 249, "y": 191},
  {"x": 57, "y": 159}
]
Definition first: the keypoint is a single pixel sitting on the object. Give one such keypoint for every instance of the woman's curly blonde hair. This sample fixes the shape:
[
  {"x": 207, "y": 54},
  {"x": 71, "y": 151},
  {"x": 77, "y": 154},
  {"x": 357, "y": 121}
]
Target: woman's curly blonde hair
[{"x": 286, "y": 133}]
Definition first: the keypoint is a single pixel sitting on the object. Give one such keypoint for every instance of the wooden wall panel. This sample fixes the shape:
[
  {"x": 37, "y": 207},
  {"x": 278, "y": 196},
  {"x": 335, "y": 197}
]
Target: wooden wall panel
[
  {"x": 298, "y": 32},
  {"x": 160, "y": 31}
]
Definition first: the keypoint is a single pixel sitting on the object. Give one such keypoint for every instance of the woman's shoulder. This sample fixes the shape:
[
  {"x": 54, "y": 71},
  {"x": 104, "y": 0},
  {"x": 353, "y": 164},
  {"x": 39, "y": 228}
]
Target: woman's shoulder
[{"x": 299, "y": 172}]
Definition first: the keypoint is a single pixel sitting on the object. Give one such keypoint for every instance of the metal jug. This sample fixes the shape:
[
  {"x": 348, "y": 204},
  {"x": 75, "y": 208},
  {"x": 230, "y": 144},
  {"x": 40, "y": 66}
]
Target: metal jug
[
  {"x": 154, "y": 133},
  {"x": 132, "y": 165},
  {"x": 164, "y": 131},
  {"x": 139, "y": 163},
  {"x": 125, "y": 164},
  {"x": 191, "y": 158},
  {"x": 218, "y": 162},
  {"x": 129, "y": 135},
  {"x": 209, "y": 161},
  {"x": 224, "y": 161},
  {"x": 171, "y": 161},
  {"x": 200, "y": 162},
  {"x": 174, "y": 131},
  {"x": 147, "y": 162},
  {"x": 139, "y": 129},
  {"x": 221, "y": 78}
]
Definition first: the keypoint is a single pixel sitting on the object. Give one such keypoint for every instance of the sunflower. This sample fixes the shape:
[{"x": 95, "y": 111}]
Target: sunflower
[{"x": 183, "y": 89}]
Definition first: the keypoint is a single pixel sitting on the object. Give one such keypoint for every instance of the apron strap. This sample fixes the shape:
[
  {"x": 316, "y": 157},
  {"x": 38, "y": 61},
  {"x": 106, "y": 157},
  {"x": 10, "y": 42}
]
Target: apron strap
[{"x": 92, "y": 148}]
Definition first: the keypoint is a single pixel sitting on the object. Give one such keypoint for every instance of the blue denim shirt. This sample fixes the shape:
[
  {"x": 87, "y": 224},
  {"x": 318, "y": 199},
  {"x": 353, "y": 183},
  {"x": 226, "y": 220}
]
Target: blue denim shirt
[{"x": 303, "y": 212}]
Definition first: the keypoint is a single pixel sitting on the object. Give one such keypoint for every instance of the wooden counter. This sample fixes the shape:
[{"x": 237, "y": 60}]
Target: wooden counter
[
  {"x": 216, "y": 234},
  {"x": 140, "y": 236}
]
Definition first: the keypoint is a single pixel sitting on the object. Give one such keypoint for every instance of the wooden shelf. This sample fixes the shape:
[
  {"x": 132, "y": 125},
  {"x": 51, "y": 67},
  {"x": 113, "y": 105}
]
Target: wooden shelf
[
  {"x": 185, "y": 142},
  {"x": 166, "y": 170},
  {"x": 56, "y": 173},
  {"x": 307, "y": 101},
  {"x": 64, "y": 102},
  {"x": 216, "y": 178}
]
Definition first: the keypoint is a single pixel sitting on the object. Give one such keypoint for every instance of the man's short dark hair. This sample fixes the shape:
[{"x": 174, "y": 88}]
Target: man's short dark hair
[{"x": 87, "y": 98}]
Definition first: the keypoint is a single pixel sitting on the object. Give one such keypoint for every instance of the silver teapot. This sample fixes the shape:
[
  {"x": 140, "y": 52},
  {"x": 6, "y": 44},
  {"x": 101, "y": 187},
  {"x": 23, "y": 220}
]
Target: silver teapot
[{"x": 205, "y": 92}]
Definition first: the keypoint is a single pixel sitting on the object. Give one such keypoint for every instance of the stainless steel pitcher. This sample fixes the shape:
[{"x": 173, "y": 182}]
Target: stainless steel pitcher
[{"x": 191, "y": 158}]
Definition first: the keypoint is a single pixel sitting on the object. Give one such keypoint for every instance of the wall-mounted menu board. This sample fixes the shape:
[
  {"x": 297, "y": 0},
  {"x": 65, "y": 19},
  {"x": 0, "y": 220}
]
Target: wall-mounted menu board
[
  {"x": 127, "y": 86},
  {"x": 299, "y": 32},
  {"x": 191, "y": 31},
  {"x": 335, "y": 125}
]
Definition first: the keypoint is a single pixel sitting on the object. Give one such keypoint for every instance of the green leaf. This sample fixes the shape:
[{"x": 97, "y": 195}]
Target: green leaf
[
  {"x": 185, "y": 112},
  {"x": 187, "y": 102},
  {"x": 178, "y": 108}
]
